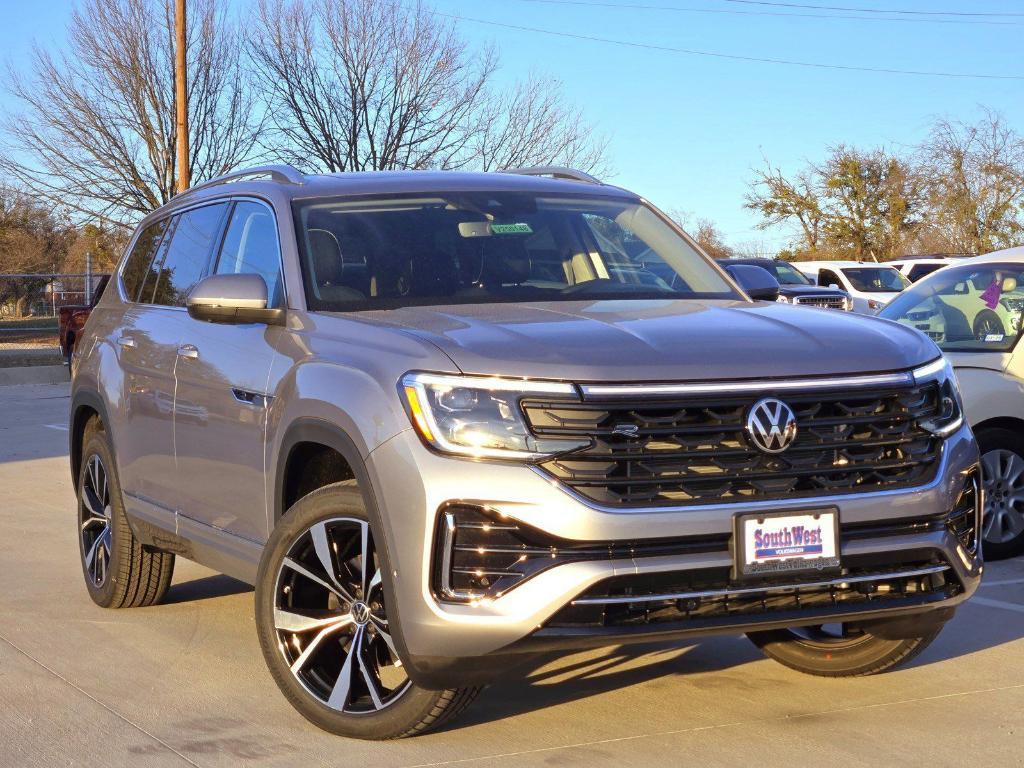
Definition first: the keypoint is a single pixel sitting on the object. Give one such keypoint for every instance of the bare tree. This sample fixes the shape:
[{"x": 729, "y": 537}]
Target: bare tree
[
  {"x": 975, "y": 178},
  {"x": 33, "y": 238},
  {"x": 96, "y": 130},
  {"x": 534, "y": 124},
  {"x": 704, "y": 231},
  {"x": 353, "y": 85}
]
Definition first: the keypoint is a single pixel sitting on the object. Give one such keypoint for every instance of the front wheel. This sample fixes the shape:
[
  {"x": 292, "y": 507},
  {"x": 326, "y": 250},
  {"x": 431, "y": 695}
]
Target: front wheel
[
  {"x": 1002, "y": 474},
  {"x": 838, "y": 650},
  {"x": 325, "y": 631}
]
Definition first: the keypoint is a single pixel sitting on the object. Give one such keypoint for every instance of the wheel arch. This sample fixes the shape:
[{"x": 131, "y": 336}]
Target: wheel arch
[
  {"x": 84, "y": 405},
  {"x": 1000, "y": 422}
]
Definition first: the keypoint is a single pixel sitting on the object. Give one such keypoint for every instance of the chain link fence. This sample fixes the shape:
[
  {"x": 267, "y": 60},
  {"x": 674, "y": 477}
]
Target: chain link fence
[{"x": 30, "y": 306}]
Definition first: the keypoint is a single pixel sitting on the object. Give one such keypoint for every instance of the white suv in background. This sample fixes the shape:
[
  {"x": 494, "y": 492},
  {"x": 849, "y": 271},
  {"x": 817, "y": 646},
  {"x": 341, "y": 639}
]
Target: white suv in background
[
  {"x": 973, "y": 311},
  {"x": 870, "y": 285},
  {"x": 915, "y": 268}
]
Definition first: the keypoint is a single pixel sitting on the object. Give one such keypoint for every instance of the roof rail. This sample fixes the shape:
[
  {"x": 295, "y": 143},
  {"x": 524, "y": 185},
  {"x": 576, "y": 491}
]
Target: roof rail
[
  {"x": 555, "y": 172},
  {"x": 285, "y": 174}
]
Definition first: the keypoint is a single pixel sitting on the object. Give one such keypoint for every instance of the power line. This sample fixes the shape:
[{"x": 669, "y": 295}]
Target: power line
[
  {"x": 780, "y": 14},
  {"x": 730, "y": 56},
  {"x": 871, "y": 10}
]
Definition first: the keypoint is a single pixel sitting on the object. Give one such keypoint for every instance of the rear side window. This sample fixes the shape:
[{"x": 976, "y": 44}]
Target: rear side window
[
  {"x": 251, "y": 248},
  {"x": 139, "y": 259},
  {"x": 185, "y": 260}
]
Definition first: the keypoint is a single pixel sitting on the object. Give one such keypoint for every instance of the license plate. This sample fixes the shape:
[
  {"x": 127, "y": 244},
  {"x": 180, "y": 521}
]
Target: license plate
[{"x": 786, "y": 542}]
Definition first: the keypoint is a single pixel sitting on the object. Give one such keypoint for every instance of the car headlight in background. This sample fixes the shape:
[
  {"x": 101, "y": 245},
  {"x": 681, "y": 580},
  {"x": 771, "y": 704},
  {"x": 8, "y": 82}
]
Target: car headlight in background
[
  {"x": 481, "y": 417},
  {"x": 782, "y": 299},
  {"x": 874, "y": 306},
  {"x": 848, "y": 303},
  {"x": 950, "y": 415}
]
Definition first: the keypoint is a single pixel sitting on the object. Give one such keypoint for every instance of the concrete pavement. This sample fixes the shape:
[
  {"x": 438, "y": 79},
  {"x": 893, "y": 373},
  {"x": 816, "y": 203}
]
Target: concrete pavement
[{"x": 184, "y": 683}]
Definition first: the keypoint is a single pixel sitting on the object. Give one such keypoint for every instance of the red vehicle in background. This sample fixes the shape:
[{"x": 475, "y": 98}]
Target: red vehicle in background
[{"x": 71, "y": 320}]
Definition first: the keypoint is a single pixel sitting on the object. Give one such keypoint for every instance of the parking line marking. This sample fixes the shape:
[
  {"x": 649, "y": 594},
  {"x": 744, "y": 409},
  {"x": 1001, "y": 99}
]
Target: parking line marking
[
  {"x": 717, "y": 726},
  {"x": 998, "y": 604},
  {"x": 1003, "y": 583},
  {"x": 61, "y": 427},
  {"x": 88, "y": 695}
]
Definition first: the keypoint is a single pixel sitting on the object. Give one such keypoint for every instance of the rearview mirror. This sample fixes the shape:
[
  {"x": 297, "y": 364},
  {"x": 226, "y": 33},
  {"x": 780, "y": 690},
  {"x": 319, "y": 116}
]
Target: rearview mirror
[
  {"x": 232, "y": 299},
  {"x": 758, "y": 283}
]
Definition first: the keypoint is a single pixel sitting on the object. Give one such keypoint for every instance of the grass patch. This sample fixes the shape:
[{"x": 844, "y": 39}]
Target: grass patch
[{"x": 7, "y": 323}]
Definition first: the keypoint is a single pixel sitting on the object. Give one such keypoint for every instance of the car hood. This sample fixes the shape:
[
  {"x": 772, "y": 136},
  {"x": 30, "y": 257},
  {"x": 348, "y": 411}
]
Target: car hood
[{"x": 658, "y": 340}]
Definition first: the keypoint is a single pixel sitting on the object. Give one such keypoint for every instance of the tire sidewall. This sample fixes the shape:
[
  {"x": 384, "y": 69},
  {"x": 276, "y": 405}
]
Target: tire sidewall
[
  {"x": 992, "y": 439},
  {"x": 872, "y": 654},
  {"x": 338, "y": 500}
]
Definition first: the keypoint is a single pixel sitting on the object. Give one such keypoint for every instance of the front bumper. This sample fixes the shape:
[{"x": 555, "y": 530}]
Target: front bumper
[{"x": 444, "y": 643}]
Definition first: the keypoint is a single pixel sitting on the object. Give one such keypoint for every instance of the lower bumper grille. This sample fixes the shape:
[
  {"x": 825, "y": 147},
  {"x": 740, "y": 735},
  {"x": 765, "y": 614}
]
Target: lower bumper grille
[{"x": 696, "y": 599}]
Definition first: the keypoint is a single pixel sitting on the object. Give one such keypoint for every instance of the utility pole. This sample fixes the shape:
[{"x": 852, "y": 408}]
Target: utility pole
[{"x": 181, "y": 96}]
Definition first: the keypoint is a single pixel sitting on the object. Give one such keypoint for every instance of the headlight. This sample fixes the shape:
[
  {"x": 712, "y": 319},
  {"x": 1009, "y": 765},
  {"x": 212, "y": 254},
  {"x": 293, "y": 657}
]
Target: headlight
[
  {"x": 848, "y": 303},
  {"x": 872, "y": 304},
  {"x": 950, "y": 414},
  {"x": 481, "y": 416},
  {"x": 782, "y": 299}
]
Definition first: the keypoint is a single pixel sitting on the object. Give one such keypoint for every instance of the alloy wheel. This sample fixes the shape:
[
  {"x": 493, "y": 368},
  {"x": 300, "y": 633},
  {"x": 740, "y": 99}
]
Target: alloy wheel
[
  {"x": 330, "y": 621},
  {"x": 95, "y": 521},
  {"x": 1003, "y": 479}
]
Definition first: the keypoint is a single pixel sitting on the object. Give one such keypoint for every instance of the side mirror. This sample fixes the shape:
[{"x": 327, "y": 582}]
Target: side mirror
[
  {"x": 232, "y": 299},
  {"x": 758, "y": 283}
]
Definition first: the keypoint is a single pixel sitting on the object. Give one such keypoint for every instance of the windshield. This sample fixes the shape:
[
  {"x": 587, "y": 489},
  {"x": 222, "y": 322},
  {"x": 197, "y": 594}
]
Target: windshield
[
  {"x": 787, "y": 274},
  {"x": 875, "y": 279},
  {"x": 461, "y": 248},
  {"x": 965, "y": 309}
]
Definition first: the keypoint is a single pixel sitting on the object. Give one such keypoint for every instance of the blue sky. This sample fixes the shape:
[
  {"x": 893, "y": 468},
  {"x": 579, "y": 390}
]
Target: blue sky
[{"x": 686, "y": 130}]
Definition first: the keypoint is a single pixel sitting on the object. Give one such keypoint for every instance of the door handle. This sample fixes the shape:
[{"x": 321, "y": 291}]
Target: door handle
[
  {"x": 126, "y": 342},
  {"x": 188, "y": 351}
]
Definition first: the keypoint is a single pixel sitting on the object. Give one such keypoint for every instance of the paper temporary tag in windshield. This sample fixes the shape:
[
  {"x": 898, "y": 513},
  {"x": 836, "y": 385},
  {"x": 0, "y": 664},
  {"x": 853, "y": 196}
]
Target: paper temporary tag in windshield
[{"x": 511, "y": 229}]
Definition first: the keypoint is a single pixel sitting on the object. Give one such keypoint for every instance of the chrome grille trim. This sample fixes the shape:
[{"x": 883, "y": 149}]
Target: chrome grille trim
[
  {"x": 839, "y": 581},
  {"x": 898, "y": 379}
]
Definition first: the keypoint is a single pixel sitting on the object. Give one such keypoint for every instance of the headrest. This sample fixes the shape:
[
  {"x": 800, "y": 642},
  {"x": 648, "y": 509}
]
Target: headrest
[{"x": 326, "y": 256}]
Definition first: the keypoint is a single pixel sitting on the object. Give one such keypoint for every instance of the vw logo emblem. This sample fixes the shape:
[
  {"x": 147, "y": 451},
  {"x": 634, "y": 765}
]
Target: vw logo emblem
[
  {"x": 771, "y": 425},
  {"x": 360, "y": 612}
]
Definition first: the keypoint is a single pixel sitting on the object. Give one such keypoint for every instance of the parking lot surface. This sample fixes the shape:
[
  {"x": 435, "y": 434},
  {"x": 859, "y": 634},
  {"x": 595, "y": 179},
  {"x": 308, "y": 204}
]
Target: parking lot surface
[{"x": 184, "y": 683}]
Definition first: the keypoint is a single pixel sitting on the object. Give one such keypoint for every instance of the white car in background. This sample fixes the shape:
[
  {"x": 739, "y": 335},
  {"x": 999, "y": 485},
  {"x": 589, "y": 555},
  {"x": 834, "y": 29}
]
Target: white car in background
[
  {"x": 871, "y": 285},
  {"x": 973, "y": 311},
  {"x": 914, "y": 268}
]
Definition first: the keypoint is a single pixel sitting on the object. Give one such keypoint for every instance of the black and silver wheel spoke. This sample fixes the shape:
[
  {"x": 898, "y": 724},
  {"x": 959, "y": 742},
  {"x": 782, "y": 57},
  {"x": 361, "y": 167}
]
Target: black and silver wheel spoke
[
  {"x": 94, "y": 521},
  {"x": 330, "y": 619}
]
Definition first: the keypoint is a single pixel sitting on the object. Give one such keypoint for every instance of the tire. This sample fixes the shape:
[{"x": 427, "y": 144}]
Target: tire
[
  {"x": 814, "y": 651},
  {"x": 987, "y": 322},
  {"x": 119, "y": 572},
  {"x": 323, "y": 616},
  {"x": 1002, "y": 474}
]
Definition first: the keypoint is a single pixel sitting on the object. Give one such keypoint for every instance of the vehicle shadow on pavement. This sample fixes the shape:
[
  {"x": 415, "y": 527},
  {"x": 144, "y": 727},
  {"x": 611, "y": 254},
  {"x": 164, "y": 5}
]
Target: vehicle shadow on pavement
[
  {"x": 205, "y": 588},
  {"x": 555, "y": 679}
]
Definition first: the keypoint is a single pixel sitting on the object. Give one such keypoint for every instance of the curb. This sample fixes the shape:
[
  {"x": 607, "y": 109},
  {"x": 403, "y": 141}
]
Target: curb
[{"x": 34, "y": 374}]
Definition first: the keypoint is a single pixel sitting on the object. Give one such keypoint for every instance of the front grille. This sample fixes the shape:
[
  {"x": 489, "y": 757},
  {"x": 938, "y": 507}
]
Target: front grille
[
  {"x": 695, "y": 451},
  {"x": 827, "y": 302},
  {"x": 695, "y": 599}
]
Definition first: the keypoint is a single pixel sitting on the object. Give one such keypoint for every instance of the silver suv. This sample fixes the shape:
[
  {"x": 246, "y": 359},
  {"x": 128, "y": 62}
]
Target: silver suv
[{"x": 446, "y": 421}]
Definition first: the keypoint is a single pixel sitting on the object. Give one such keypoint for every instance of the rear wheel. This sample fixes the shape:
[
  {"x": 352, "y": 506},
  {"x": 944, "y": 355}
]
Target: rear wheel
[
  {"x": 119, "y": 572},
  {"x": 987, "y": 323},
  {"x": 1002, "y": 474},
  {"x": 326, "y": 633},
  {"x": 838, "y": 650}
]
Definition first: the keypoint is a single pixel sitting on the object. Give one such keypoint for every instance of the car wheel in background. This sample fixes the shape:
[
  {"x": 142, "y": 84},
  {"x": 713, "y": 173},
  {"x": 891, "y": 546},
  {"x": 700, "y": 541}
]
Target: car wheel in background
[
  {"x": 1002, "y": 474},
  {"x": 326, "y": 632},
  {"x": 837, "y": 650},
  {"x": 987, "y": 323},
  {"x": 119, "y": 572}
]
